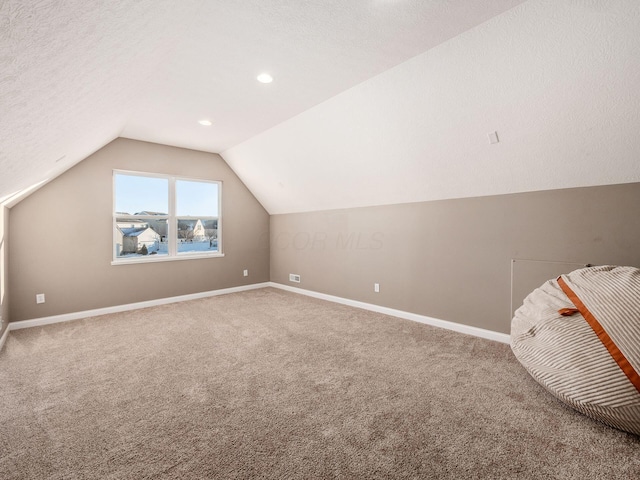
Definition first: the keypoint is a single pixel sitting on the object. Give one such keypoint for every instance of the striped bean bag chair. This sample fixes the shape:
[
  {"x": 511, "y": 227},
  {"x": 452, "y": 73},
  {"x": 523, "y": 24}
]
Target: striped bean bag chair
[{"x": 579, "y": 337}]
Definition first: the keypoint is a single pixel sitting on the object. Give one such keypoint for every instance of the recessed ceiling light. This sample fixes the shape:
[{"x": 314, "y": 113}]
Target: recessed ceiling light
[
  {"x": 265, "y": 78},
  {"x": 206, "y": 123}
]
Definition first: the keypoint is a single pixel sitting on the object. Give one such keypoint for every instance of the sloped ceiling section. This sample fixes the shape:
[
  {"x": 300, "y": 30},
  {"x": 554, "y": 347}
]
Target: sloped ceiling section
[
  {"x": 557, "y": 80},
  {"x": 314, "y": 50},
  {"x": 69, "y": 74},
  {"x": 75, "y": 74}
]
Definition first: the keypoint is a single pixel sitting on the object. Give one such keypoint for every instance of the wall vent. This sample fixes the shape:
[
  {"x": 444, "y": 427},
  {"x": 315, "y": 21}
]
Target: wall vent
[{"x": 294, "y": 278}]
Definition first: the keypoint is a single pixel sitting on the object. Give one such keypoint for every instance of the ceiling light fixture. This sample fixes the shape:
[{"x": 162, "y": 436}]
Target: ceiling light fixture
[
  {"x": 265, "y": 78},
  {"x": 206, "y": 123}
]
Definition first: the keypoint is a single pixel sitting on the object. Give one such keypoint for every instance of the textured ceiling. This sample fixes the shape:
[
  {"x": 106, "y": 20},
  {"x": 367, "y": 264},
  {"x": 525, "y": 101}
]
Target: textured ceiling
[
  {"x": 75, "y": 74},
  {"x": 559, "y": 81}
]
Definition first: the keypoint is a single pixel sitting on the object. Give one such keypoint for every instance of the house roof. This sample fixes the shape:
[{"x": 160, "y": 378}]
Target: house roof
[
  {"x": 146, "y": 212},
  {"x": 190, "y": 224},
  {"x": 133, "y": 232},
  {"x": 373, "y": 101}
]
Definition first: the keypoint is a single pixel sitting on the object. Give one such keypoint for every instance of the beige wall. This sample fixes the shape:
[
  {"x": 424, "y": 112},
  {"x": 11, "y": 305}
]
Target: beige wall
[
  {"x": 61, "y": 237},
  {"x": 4, "y": 257},
  {"x": 448, "y": 259},
  {"x": 451, "y": 259}
]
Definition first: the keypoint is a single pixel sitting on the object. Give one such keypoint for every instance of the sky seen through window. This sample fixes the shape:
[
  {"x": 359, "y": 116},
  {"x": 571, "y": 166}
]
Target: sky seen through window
[{"x": 136, "y": 193}]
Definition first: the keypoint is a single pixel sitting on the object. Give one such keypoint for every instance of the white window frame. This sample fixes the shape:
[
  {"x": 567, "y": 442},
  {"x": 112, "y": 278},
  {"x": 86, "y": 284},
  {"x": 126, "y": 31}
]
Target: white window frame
[{"x": 172, "y": 222}]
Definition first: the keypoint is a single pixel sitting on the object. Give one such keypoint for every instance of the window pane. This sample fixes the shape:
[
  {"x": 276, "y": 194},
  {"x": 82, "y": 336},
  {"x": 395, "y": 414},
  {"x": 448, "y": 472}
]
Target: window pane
[
  {"x": 199, "y": 235},
  {"x": 196, "y": 199},
  {"x": 141, "y": 195},
  {"x": 147, "y": 226},
  {"x": 137, "y": 238}
]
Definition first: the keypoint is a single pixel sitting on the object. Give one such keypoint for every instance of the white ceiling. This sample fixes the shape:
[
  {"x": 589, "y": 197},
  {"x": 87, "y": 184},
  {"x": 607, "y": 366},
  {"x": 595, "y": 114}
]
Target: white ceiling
[
  {"x": 75, "y": 74},
  {"x": 373, "y": 102},
  {"x": 559, "y": 81}
]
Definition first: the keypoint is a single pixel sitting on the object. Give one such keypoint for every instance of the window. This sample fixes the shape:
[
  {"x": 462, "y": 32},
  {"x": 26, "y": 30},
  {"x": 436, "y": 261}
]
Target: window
[{"x": 161, "y": 217}]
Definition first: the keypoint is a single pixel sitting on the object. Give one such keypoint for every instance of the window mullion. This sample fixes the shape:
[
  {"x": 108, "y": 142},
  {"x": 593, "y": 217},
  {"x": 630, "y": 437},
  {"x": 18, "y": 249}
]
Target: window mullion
[{"x": 172, "y": 228}]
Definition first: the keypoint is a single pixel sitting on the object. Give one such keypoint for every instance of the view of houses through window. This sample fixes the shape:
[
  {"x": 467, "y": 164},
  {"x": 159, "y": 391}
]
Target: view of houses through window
[{"x": 159, "y": 215}]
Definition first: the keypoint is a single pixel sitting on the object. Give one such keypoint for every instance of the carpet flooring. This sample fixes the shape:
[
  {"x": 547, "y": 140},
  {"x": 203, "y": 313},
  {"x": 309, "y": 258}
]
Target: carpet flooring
[{"x": 270, "y": 384}]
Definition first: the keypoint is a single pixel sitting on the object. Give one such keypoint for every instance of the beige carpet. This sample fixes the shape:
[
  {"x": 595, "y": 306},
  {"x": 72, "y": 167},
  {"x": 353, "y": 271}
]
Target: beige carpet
[{"x": 269, "y": 384}]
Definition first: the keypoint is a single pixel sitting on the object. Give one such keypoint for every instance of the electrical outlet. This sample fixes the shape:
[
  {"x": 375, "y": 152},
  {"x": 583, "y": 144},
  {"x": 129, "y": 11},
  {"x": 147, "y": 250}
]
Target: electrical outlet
[
  {"x": 376, "y": 287},
  {"x": 245, "y": 273},
  {"x": 294, "y": 278},
  {"x": 40, "y": 298}
]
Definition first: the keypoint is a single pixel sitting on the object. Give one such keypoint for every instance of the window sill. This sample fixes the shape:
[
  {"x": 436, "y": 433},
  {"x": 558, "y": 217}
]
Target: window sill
[{"x": 164, "y": 258}]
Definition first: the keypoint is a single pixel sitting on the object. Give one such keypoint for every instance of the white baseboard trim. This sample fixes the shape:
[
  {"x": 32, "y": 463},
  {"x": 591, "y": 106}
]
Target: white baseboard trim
[
  {"x": 65, "y": 317},
  {"x": 456, "y": 327}
]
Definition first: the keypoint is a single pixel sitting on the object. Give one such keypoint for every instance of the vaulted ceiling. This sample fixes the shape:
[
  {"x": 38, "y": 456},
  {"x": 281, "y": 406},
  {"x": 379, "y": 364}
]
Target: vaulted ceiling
[{"x": 373, "y": 101}]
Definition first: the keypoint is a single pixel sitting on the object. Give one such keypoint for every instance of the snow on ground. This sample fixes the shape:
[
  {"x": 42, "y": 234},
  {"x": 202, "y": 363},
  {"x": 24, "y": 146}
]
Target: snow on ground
[{"x": 183, "y": 247}]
